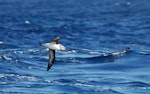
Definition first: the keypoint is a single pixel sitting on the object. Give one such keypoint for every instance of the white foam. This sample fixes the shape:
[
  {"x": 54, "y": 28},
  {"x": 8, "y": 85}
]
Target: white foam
[
  {"x": 1, "y": 42},
  {"x": 6, "y": 75},
  {"x": 44, "y": 57},
  {"x": 48, "y": 81},
  {"x": 29, "y": 78},
  {"x": 71, "y": 51},
  {"x": 21, "y": 52},
  {"x": 86, "y": 85},
  {"x": 33, "y": 50},
  {"x": 29, "y": 67},
  {"x": 116, "y": 53},
  {"x": 97, "y": 53},
  {"x": 2, "y": 75},
  {"x": 27, "y": 22},
  {"x": 7, "y": 58},
  {"x": 128, "y": 3}
]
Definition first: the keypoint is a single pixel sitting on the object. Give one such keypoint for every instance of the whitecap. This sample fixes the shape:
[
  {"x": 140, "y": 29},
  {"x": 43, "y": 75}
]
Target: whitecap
[
  {"x": 128, "y": 3},
  {"x": 144, "y": 52},
  {"x": 33, "y": 50},
  {"x": 85, "y": 49},
  {"x": 21, "y": 52},
  {"x": 69, "y": 52},
  {"x": 1, "y": 42},
  {"x": 92, "y": 52},
  {"x": 44, "y": 57},
  {"x": 85, "y": 85},
  {"x": 117, "y": 53},
  {"x": 105, "y": 54},
  {"x": 3, "y": 83},
  {"x": 29, "y": 67},
  {"x": 7, "y": 58},
  {"x": 6, "y": 75},
  {"x": 2, "y": 75},
  {"x": 48, "y": 81},
  {"x": 74, "y": 60},
  {"x": 29, "y": 78},
  {"x": 27, "y": 22}
]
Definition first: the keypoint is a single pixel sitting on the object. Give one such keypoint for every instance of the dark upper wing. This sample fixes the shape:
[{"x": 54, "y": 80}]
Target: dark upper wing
[
  {"x": 56, "y": 39},
  {"x": 51, "y": 58}
]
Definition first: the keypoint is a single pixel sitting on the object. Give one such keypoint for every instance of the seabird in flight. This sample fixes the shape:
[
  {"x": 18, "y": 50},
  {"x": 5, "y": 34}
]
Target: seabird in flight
[{"x": 52, "y": 46}]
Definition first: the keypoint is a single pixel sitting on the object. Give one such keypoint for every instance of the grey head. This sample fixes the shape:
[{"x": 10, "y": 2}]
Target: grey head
[{"x": 56, "y": 39}]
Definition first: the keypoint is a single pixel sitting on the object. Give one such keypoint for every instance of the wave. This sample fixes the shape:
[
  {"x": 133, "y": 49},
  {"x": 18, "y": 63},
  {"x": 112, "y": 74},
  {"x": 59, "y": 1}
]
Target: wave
[
  {"x": 6, "y": 58},
  {"x": 137, "y": 84},
  {"x": 110, "y": 57},
  {"x": 86, "y": 87},
  {"x": 96, "y": 57}
]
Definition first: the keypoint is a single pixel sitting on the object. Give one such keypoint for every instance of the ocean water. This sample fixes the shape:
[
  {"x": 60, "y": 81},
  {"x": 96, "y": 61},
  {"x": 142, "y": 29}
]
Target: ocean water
[{"x": 95, "y": 33}]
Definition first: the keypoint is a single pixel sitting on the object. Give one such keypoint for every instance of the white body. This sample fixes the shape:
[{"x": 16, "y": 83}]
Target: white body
[{"x": 54, "y": 46}]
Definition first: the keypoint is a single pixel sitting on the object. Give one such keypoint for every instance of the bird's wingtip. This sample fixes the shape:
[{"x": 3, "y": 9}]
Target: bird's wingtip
[
  {"x": 48, "y": 67},
  {"x": 40, "y": 43}
]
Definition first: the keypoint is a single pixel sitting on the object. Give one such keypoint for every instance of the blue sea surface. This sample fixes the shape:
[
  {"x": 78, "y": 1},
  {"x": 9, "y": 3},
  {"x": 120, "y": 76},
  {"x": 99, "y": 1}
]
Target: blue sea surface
[{"x": 95, "y": 33}]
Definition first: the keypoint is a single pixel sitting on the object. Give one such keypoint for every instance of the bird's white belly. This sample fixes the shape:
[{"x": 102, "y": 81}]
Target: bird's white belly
[{"x": 52, "y": 46}]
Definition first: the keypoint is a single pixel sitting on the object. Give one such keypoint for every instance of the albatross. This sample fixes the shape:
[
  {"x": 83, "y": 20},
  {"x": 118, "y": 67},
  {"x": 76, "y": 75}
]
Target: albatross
[{"x": 53, "y": 46}]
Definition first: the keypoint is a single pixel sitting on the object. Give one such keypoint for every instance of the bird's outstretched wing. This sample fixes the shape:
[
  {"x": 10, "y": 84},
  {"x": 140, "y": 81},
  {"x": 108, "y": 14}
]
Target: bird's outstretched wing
[
  {"x": 56, "y": 39},
  {"x": 51, "y": 58}
]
